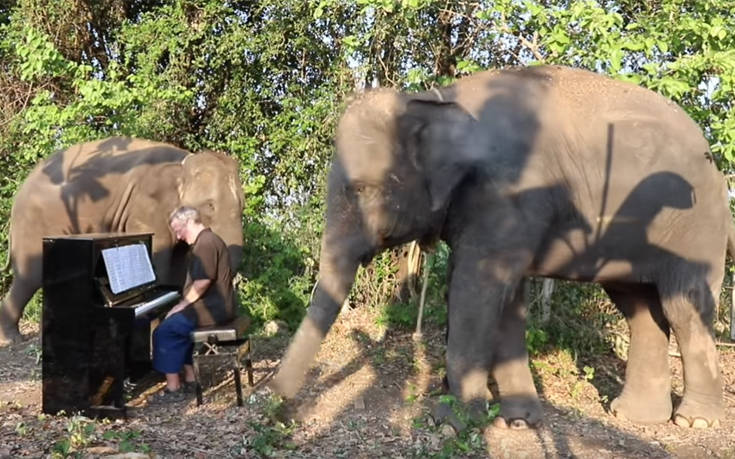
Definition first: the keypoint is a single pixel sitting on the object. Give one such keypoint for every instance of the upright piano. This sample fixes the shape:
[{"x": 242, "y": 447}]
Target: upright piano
[{"x": 101, "y": 302}]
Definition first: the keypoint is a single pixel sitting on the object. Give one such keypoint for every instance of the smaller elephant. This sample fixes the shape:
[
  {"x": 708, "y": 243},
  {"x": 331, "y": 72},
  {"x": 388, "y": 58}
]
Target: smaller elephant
[
  {"x": 117, "y": 185},
  {"x": 542, "y": 171}
]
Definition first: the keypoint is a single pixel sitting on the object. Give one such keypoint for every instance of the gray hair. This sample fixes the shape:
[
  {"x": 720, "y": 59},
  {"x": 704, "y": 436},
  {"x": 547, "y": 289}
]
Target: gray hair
[{"x": 185, "y": 214}]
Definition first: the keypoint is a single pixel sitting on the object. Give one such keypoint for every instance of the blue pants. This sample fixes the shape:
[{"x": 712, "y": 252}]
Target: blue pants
[{"x": 172, "y": 344}]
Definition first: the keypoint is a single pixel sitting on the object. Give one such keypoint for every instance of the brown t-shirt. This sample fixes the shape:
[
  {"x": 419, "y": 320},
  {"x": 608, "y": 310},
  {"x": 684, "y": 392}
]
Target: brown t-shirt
[{"x": 209, "y": 259}]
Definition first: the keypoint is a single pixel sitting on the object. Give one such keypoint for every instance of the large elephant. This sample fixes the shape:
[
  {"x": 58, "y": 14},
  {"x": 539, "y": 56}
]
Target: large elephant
[
  {"x": 546, "y": 171},
  {"x": 118, "y": 185}
]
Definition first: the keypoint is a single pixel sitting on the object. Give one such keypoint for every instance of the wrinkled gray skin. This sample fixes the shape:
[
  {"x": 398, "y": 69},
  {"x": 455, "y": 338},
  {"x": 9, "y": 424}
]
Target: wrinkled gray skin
[
  {"x": 543, "y": 171},
  {"x": 118, "y": 185}
]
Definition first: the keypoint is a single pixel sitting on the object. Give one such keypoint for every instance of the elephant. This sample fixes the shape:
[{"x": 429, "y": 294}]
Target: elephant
[
  {"x": 543, "y": 171},
  {"x": 118, "y": 184}
]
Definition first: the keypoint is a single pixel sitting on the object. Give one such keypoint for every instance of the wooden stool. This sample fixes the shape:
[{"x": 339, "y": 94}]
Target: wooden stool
[{"x": 229, "y": 342}]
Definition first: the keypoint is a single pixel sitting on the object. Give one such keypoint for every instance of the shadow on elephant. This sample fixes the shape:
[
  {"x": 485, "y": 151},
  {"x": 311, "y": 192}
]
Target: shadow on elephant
[{"x": 682, "y": 296}]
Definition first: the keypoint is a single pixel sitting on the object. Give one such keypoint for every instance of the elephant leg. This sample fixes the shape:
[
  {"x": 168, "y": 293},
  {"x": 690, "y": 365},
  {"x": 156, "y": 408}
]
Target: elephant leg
[
  {"x": 519, "y": 403},
  {"x": 481, "y": 288},
  {"x": 11, "y": 310},
  {"x": 646, "y": 395},
  {"x": 689, "y": 305}
]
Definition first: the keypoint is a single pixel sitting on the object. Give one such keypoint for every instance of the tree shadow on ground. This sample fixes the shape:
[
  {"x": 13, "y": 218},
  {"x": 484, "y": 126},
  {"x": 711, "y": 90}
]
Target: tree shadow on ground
[{"x": 398, "y": 396}]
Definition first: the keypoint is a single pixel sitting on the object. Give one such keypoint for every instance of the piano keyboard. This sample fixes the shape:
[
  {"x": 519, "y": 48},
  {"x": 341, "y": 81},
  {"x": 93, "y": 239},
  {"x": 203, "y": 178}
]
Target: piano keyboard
[{"x": 147, "y": 306}]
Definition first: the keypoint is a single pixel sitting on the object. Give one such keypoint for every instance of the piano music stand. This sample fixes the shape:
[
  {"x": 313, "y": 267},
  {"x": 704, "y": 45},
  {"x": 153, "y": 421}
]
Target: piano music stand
[{"x": 227, "y": 344}]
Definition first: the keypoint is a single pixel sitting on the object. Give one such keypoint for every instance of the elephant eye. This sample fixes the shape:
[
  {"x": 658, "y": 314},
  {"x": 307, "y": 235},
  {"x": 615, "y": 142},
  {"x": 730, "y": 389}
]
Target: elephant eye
[
  {"x": 207, "y": 206},
  {"x": 357, "y": 187},
  {"x": 364, "y": 191}
]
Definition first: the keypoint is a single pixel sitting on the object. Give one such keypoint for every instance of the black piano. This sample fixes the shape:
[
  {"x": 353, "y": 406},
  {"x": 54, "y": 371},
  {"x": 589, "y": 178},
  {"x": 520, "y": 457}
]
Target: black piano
[{"x": 101, "y": 303}]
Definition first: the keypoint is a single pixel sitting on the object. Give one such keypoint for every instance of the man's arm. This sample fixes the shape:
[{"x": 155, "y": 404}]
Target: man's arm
[{"x": 197, "y": 289}]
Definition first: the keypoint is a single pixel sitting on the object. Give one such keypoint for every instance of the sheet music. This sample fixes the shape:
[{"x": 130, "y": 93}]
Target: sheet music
[{"x": 128, "y": 266}]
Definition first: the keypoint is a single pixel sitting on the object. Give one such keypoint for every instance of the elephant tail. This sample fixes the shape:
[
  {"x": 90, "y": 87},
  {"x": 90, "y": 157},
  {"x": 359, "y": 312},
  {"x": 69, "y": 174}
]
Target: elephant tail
[{"x": 731, "y": 240}]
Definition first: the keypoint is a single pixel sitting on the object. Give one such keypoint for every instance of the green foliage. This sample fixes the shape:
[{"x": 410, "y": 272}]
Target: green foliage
[
  {"x": 470, "y": 441},
  {"x": 467, "y": 443},
  {"x": 21, "y": 429},
  {"x": 588, "y": 376},
  {"x": 536, "y": 340},
  {"x": 589, "y": 373},
  {"x": 276, "y": 273},
  {"x": 34, "y": 307},
  {"x": 80, "y": 433},
  {"x": 270, "y": 439},
  {"x": 405, "y": 315},
  {"x": 581, "y": 314},
  {"x": 127, "y": 441}
]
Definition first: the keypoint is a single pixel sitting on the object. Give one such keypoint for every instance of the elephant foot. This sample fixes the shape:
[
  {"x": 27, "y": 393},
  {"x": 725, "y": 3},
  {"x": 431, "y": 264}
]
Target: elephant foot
[
  {"x": 9, "y": 337},
  {"x": 519, "y": 412},
  {"x": 286, "y": 411},
  {"x": 642, "y": 410},
  {"x": 442, "y": 413},
  {"x": 699, "y": 414},
  {"x": 460, "y": 415}
]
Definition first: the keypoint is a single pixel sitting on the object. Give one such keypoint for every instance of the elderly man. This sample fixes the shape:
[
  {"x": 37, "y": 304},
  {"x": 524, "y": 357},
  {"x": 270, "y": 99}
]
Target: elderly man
[{"x": 207, "y": 300}]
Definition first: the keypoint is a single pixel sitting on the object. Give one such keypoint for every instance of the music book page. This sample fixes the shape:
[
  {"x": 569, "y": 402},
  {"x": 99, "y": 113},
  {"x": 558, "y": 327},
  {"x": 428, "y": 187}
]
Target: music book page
[{"x": 128, "y": 266}]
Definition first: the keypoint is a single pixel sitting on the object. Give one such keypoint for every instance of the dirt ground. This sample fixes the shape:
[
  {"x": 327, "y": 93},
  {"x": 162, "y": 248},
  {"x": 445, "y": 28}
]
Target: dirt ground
[{"x": 368, "y": 395}]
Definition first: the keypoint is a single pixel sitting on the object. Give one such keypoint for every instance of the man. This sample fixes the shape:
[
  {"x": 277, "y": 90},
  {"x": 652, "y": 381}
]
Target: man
[{"x": 207, "y": 299}]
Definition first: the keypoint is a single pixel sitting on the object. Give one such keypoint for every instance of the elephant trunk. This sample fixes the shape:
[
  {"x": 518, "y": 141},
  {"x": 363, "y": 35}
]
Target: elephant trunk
[
  {"x": 337, "y": 273},
  {"x": 231, "y": 234},
  {"x": 235, "y": 256}
]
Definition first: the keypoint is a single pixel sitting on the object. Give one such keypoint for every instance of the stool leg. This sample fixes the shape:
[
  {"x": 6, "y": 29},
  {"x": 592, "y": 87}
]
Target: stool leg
[
  {"x": 198, "y": 383},
  {"x": 249, "y": 368},
  {"x": 238, "y": 385}
]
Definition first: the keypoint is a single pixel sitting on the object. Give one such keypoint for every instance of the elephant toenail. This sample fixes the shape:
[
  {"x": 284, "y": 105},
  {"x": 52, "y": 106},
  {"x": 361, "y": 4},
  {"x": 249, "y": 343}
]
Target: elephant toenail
[
  {"x": 700, "y": 423},
  {"x": 500, "y": 423},
  {"x": 518, "y": 424},
  {"x": 681, "y": 421}
]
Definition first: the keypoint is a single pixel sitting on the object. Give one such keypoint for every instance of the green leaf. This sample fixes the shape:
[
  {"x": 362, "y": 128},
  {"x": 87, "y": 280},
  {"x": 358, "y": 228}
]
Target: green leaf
[
  {"x": 673, "y": 87},
  {"x": 616, "y": 57},
  {"x": 351, "y": 42},
  {"x": 467, "y": 66}
]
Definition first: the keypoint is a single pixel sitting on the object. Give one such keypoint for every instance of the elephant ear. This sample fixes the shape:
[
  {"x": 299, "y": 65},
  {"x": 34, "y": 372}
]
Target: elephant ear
[{"x": 439, "y": 138}]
